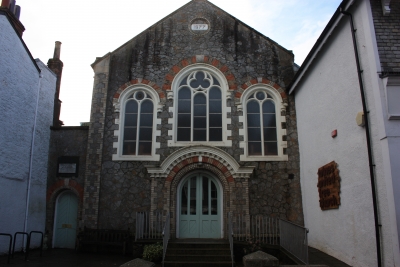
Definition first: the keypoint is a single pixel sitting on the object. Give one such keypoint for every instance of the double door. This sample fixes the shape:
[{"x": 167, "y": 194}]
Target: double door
[{"x": 199, "y": 213}]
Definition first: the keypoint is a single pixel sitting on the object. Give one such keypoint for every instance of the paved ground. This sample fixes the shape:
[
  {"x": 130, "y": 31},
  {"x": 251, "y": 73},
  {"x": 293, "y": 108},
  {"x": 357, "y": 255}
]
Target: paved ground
[{"x": 71, "y": 258}]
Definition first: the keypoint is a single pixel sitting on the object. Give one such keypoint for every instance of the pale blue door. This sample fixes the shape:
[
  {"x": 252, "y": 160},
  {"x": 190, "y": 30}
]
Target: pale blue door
[
  {"x": 200, "y": 214},
  {"x": 66, "y": 221}
]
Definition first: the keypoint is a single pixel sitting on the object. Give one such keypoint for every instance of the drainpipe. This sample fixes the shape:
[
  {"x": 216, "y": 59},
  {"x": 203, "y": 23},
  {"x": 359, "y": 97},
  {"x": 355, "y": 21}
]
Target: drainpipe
[
  {"x": 368, "y": 136},
  {"x": 28, "y": 189}
]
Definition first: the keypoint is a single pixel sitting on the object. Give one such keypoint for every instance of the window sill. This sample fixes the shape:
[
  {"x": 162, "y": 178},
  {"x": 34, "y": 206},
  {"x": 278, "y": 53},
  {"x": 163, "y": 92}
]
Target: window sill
[
  {"x": 135, "y": 158},
  {"x": 264, "y": 158},
  {"x": 207, "y": 143}
]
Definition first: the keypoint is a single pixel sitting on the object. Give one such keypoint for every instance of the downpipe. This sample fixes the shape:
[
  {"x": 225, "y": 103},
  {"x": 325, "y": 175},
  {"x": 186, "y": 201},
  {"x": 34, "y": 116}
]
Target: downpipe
[
  {"x": 368, "y": 137},
  {"x": 28, "y": 189}
]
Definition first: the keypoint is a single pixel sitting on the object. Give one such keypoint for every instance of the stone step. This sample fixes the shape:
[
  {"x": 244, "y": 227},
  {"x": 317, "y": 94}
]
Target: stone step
[
  {"x": 199, "y": 251},
  {"x": 197, "y": 264},
  {"x": 197, "y": 258}
]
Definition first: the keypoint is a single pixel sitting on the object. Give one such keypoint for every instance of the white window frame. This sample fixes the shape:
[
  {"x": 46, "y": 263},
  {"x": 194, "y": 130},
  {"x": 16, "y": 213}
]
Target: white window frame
[
  {"x": 119, "y": 107},
  {"x": 225, "y": 95},
  {"x": 279, "y": 107}
]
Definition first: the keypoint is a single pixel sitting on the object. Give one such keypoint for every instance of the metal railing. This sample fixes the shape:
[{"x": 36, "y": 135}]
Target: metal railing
[
  {"x": 148, "y": 227},
  {"x": 230, "y": 234},
  {"x": 166, "y": 236},
  {"x": 293, "y": 238},
  {"x": 261, "y": 228},
  {"x": 9, "y": 246}
]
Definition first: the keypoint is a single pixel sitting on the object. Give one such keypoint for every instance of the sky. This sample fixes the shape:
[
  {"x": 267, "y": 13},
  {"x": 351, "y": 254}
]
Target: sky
[{"x": 92, "y": 28}]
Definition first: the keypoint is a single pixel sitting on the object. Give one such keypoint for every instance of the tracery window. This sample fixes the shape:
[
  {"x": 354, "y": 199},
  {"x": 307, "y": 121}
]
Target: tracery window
[
  {"x": 202, "y": 120},
  {"x": 200, "y": 108}
]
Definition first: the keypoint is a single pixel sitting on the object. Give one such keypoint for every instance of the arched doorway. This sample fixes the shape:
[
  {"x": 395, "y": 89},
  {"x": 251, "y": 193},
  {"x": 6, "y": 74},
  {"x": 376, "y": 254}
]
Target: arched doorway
[
  {"x": 199, "y": 207},
  {"x": 65, "y": 223}
]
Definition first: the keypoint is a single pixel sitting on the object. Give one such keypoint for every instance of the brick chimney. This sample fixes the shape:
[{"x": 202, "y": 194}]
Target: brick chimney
[
  {"x": 56, "y": 65},
  {"x": 13, "y": 12}
]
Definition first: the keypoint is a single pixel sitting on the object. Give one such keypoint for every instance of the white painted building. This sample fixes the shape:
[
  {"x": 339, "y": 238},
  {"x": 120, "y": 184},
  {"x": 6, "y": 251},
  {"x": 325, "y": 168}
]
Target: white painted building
[
  {"x": 328, "y": 98},
  {"x": 27, "y": 90}
]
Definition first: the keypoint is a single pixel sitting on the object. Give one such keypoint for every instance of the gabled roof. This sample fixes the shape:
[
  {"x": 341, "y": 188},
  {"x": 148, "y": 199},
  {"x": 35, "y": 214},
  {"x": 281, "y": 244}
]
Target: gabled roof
[
  {"x": 319, "y": 44},
  {"x": 183, "y": 7}
]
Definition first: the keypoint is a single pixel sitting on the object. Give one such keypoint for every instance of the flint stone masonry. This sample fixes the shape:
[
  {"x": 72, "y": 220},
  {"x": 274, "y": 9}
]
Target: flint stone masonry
[
  {"x": 260, "y": 259},
  {"x": 116, "y": 191}
]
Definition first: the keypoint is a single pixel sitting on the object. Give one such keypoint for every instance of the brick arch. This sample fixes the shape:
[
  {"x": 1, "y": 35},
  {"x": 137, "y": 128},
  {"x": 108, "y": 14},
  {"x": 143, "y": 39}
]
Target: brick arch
[
  {"x": 63, "y": 185},
  {"x": 261, "y": 80},
  {"x": 220, "y": 169},
  {"x": 139, "y": 81},
  {"x": 199, "y": 59}
]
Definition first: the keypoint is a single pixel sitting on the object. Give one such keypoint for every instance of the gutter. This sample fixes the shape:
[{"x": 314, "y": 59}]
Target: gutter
[{"x": 368, "y": 137}]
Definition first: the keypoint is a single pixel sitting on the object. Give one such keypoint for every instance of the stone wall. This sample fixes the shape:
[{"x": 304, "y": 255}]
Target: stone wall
[{"x": 153, "y": 58}]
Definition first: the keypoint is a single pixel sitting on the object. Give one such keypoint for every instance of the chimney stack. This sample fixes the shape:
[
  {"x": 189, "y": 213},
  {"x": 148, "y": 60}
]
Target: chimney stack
[
  {"x": 13, "y": 12},
  {"x": 56, "y": 65}
]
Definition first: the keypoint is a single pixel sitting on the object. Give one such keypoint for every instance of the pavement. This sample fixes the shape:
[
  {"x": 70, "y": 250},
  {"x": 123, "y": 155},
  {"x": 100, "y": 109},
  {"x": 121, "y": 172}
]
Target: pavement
[{"x": 72, "y": 258}]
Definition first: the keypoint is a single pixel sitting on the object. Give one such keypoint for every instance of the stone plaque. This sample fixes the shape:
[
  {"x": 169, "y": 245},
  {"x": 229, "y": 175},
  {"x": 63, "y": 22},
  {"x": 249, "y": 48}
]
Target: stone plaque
[
  {"x": 67, "y": 168},
  {"x": 329, "y": 186},
  {"x": 199, "y": 26}
]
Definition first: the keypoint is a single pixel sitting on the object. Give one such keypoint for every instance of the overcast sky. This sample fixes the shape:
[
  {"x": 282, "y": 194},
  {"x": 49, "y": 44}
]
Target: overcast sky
[{"x": 92, "y": 28}]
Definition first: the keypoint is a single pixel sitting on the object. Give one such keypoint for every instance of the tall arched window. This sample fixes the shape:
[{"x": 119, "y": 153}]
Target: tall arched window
[
  {"x": 137, "y": 124},
  {"x": 263, "y": 115},
  {"x": 200, "y": 107},
  {"x": 261, "y": 125}
]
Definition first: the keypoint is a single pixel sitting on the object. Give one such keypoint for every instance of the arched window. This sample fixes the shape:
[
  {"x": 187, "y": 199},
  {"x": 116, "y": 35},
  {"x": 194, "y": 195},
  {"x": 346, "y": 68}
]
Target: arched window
[
  {"x": 137, "y": 125},
  {"x": 200, "y": 107},
  {"x": 262, "y": 124}
]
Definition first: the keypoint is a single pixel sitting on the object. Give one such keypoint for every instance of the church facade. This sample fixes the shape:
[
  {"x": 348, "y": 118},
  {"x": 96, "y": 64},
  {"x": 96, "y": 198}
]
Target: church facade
[{"x": 191, "y": 118}]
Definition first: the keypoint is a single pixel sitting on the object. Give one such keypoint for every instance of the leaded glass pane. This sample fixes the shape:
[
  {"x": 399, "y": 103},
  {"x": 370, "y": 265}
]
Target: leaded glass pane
[
  {"x": 215, "y": 134},
  {"x": 146, "y": 107},
  {"x": 183, "y": 134},
  {"x": 254, "y": 148},
  {"x": 130, "y": 134},
  {"x": 199, "y": 99},
  {"x": 253, "y": 107},
  {"x": 200, "y": 122},
  {"x": 184, "y": 93},
  {"x": 254, "y": 134},
  {"x": 205, "y": 196},
  {"x": 199, "y": 135},
  {"x": 184, "y": 106},
  {"x": 129, "y": 148},
  {"x": 184, "y": 198},
  {"x": 215, "y": 93},
  {"x": 131, "y": 107},
  {"x": 270, "y": 134},
  {"x": 214, "y": 199},
  {"x": 146, "y": 120},
  {"x": 269, "y": 120},
  {"x": 253, "y": 120},
  {"x": 193, "y": 196},
  {"x": 144, "y": 148},
  {"x": 215, "y": 120},
  {"x": 131, "y": 119},
  {"x": 270, "y": 148},
  {"x": 184, "y": 120},
  {"x": 269, "y": 107},
  {"x": 145, "y": 134},
  {"x": 200, "y": 110}
]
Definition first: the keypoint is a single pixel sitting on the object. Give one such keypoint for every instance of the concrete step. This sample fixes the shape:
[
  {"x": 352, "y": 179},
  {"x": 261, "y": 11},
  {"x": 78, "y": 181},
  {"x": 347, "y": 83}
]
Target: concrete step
[{"x": 199, "y": 251}]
